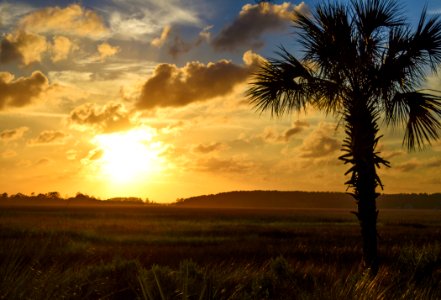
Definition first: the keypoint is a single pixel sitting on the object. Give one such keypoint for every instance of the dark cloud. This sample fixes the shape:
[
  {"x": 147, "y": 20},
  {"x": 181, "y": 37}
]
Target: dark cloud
[
  {"x": 48, "y": 137},
  {"x": 22, "y": 46},
  {"x": 252, "y": 21},
  {"x": 178, "y": 46},
  {"x": 109, "y": 118},
  {"x": 9, "y": 51},
  {"x": 43, "y": 162},
  {"x": 173, "y": 86},
  {"x": 13, "y": 134},
  {"x": 22, "y": 91}
]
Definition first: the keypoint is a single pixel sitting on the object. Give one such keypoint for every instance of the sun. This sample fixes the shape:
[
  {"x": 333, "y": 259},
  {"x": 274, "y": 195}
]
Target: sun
[{"x": 128, "y": 156}]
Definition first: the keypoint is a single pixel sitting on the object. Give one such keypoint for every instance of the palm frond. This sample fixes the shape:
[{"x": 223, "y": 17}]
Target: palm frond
[
  {"x": 281, "y": 85},
  {"x": 421, "y": 114},
  {"x": 326, "y": 39},
  {"x": 372, "y": 15},
  {"x": 373, "y": 18},
  {"x": 427, "y": 40}
]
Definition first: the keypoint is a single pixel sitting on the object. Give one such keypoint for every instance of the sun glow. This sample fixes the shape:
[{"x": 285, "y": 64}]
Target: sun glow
[{"x": 128, "y": 156}]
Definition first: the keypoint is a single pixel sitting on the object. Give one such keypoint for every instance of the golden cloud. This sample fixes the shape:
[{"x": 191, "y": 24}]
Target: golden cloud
[
  {"x": 48, "y": 137},
  {"x": 22, "y": 91},
  {"x": 23, "y": 46},
  {"x": 106, "y": 50},
  {"x": 159, "y": 41},
  {"x": 109, "y": 118},
  {"x": 271, "y": 135},
  {"x": 171, "y": 86},
  {"x": 252, "y": 22},
  {"x": 61, "y": 48},
  {"x": 209, "y": 148},
  {"x": 13, "y": 134},
  {"x": 71, "y": 20},
  {"x": 320, "y": 142},
  {"x": 8, "y": 154},
  {"x": 220, "y": 165}
]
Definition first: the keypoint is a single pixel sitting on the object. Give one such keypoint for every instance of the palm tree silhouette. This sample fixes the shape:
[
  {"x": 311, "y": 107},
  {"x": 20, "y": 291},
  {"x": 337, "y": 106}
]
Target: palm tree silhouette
[{"x": 363, "y": 64}]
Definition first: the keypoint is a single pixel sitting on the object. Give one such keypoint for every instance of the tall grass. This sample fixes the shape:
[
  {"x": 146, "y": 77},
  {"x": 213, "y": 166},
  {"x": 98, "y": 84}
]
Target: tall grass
[{"x": 182, "y": 254}]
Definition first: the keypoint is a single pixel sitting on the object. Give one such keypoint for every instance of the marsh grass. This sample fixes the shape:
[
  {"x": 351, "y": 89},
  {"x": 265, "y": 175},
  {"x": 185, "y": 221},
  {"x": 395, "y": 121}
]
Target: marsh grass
[{"x": 169, "y": 253}]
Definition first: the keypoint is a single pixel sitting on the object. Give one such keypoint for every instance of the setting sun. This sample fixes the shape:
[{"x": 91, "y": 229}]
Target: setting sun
[{"x": 129, "y": 155}]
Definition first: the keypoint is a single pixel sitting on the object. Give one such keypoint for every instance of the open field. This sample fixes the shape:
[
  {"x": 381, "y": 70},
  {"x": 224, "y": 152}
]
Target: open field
[{"x": 159, "y": 252}]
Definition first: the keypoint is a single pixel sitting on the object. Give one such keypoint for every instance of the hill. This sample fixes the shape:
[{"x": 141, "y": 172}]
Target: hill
[{"x": 298, "y": 199}]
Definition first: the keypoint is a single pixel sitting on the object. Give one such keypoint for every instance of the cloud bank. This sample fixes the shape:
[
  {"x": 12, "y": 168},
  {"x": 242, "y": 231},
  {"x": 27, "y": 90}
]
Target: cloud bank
[
  {"x": 252, "y": 21},
  {"x": 71, "y": 20},
  {"x": 21, "y": 91},
  {"x": 48, "y": 137},
  {"x": 109, "y": 118},
  {"x": 13, "y": 134},
  {"x": 171, "y": 86}
]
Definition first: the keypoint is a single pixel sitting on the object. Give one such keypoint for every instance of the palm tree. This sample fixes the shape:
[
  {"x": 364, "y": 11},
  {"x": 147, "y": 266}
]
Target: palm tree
[{"x": 363, "y": 64}]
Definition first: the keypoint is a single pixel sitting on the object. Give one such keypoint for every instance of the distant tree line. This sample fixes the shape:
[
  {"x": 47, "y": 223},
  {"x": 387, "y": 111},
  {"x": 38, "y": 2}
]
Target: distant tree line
[
  {"x": 56, "y": 198},
  {"x": 299, "y": 199}
]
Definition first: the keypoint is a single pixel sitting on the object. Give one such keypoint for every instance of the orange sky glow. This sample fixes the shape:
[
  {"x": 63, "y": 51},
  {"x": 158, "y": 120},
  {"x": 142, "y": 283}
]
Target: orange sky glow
[{"x": 117, "y": 98}]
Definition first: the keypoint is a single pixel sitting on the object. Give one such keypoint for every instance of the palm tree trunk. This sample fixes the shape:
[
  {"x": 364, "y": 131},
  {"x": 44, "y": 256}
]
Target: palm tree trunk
[
  {"x": 367, "y": 216},
  {"x": 362, "y": 129}
]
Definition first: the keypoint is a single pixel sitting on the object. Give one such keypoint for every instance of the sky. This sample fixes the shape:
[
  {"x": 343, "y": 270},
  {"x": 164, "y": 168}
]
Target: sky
[{"x": 146, "y": 98}]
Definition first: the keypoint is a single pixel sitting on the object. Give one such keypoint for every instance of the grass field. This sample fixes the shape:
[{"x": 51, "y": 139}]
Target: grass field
[{"x": 159, "y": 252}]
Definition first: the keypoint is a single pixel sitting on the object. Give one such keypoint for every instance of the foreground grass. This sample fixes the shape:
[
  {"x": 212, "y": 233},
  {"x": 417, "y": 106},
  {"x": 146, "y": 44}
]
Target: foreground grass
[{"x": 171, "y": 253}]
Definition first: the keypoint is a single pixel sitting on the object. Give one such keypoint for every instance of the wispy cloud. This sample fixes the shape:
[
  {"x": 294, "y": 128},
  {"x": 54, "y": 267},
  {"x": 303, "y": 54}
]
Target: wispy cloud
[{"x": 136, "y": 19}]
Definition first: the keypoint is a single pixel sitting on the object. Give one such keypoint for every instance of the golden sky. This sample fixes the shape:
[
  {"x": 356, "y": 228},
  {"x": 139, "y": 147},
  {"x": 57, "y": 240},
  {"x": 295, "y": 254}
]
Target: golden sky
[{"x": 146, "y": 98}]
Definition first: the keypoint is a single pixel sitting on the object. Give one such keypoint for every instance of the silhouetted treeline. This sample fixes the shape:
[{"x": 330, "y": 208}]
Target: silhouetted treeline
[
  {"x": 297, "y": 199},
  {"x": 54, "y": 198}
]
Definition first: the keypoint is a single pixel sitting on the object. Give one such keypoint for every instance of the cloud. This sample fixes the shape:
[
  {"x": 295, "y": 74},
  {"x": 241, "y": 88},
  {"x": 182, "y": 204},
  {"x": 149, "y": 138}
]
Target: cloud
[
  {"x": 270, "y": 135},
  {"x": 320, "y": 142},
  {"x": 252, "y": 22},
  {"x": 388, "y": 155},
  {"x": 408, "y": 166},
  {"x": 43, "y": 162},
  {"x": 61, "y": 47},
  {"x": 21, "y": 91},
  {"x": 414, "y": 164},
  {"x": 23, "y": 46},
  {"x": 71, "y": 154},
  {"x": 8, "y": 154},
  {"x": 434, "y": 163},
  {"x": 209, "y": 148},
  {"x": 252, "y": 59},
  {"x": 48, "y": 137},
  {"x": 71, "y": 20},
  {"x": 109, "y": 118},
  {"x": 229, "y": 165},
  {"x": 10, "y": 12},
  {"x": 92, "y": 155},
  {"x": 159, "y": 41},
  {"x": 142, "y": 19},
  {"x": 178, "y": 46},
  {"x": 13, "y": 134},
  {"x": 106, "y": 50},
  {"x": 171, "y": 86}
]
